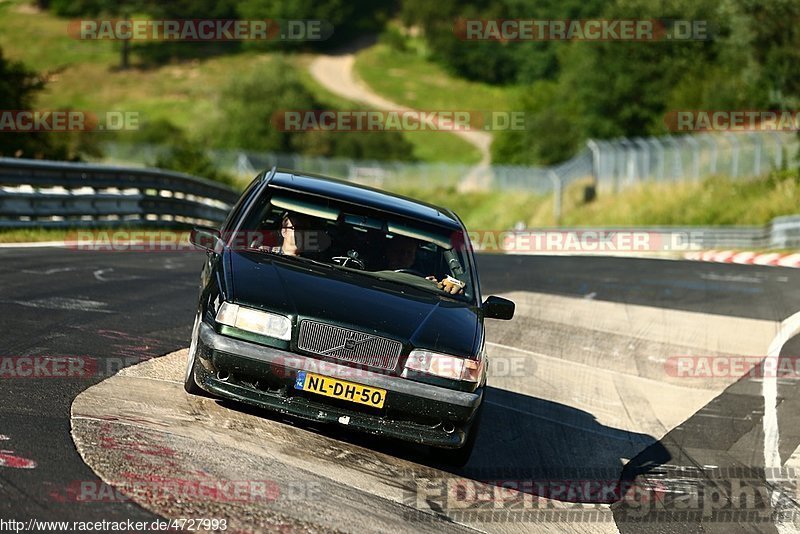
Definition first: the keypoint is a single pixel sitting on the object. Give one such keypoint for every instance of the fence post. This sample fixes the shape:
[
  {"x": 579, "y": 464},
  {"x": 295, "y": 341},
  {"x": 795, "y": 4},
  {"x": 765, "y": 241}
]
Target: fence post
[
  {"x": 695, "y": 156},
  {"x": 660, "y": 149},
  {"x": 645, "y": 167},
  {"x": 778, "y": 150},
  {"x": 630, "y": 160},
  {"x": 735, "y": 148},
  {"x": 677, "y": 161},
  {"x": 557, "y": 194},
  {"x": 756, "y": 138},
  {"x": 712, "y": 142},
  {"x": 595, "y": 160}
]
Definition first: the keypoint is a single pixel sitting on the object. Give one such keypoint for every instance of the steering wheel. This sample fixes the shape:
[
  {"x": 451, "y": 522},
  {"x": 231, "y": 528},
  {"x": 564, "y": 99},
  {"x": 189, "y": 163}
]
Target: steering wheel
[
  {"x": 351, "y": 260},
  {"x": 410, "y": 271}
]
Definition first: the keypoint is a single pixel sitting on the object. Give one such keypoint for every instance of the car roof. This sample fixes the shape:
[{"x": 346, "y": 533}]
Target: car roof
[{"x": 362, "y": 195}]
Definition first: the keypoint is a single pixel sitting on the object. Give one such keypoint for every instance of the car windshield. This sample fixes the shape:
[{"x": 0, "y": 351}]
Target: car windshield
[{"x": 353, "y": 238}]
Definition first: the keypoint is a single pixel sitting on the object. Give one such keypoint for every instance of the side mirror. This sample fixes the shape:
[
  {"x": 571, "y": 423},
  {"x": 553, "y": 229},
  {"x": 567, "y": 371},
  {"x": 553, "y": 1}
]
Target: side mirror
[
  {"x": 206, "y": 238},
  {"x": 498, "y": 308}
]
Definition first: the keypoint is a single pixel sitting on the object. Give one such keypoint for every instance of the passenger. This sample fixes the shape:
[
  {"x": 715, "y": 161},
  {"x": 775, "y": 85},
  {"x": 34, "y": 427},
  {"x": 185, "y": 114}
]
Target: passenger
[{"x": 401, "y": 255}]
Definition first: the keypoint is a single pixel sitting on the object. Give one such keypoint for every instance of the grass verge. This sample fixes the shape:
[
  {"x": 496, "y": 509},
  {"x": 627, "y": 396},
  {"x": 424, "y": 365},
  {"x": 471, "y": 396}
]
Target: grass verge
[
  {"x": 63, "y": 235},
  {"x": 406, "y": 77},
  {"x": 712, "y": 202}
]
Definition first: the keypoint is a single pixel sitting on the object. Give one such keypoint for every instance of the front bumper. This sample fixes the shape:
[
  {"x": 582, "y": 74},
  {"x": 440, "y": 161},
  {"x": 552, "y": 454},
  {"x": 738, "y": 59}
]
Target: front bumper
[{"x": 264, "y": 376}]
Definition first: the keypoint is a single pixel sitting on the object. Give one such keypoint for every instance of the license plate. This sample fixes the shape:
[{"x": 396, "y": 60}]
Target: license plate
[{"x": 340, "y": 389}]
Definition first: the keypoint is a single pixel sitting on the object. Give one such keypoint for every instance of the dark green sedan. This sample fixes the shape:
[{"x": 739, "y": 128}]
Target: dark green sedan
[{"x": 338, "y": 303}]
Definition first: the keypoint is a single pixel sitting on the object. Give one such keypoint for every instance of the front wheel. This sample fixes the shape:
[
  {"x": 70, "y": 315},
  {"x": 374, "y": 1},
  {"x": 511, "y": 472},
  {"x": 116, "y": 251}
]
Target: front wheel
[{"x": 189, "y": 383}]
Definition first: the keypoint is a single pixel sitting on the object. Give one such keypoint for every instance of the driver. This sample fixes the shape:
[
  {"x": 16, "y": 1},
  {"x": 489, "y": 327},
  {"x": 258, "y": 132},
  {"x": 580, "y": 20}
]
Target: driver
[
  {"x": 299, "y": 236},
  {"x": 402, "y": 255},
  {"x": 293, "y": 231}
]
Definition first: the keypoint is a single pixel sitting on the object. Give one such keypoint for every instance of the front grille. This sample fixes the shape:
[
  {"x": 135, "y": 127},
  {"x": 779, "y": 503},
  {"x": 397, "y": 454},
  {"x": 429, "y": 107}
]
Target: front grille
[{"x": 348, "y": 345}]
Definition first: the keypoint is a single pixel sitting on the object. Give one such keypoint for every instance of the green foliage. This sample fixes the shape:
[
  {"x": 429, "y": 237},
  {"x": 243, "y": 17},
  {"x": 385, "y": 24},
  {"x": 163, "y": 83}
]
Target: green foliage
[
  {"x": 155, "y": 132},
  {"x": 392, "y": 38},
  {"x": 371, "y": 146},
  {"x": 494, "y": 61},
  {"x": 75, "y": 8},
  {"x": 185, "y": 155},
  {"x": 549, "y": 110},
  {"x": 18, "y": 89},
  {"x": 577, "y": 90},
  {"x": 250, "y": 112},
  {"x": 250, "y": 103},
  {"x": 612, "y": 89},
  {"x": 350, "y": 18}
]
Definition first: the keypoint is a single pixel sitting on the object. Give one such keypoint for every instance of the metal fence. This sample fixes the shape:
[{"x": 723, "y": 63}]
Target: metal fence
[
  {"x": 381, "y": 174},
  {"x": 611, "y": 165},
  {"x": 624, "y": 162},
  {"x": 58, "y": 194}
]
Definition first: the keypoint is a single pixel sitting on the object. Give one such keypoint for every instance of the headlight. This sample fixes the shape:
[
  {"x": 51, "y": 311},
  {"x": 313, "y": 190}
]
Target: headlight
[
  {"x": 256, "y": 321},
  {"x": 444, "y": 365}
]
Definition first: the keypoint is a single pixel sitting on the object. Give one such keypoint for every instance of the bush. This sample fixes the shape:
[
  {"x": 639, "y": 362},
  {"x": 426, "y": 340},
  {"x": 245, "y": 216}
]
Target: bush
[
  {"x": 18, "y": 89},
  {"x": 189, "y": 157},
  {"x": 251, "y": 109},
  {"x": 350, "y": 19}
]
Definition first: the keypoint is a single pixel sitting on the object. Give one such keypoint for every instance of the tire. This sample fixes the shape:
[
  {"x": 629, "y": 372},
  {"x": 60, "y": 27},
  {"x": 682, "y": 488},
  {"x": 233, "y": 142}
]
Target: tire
[
  {"x": 189, "y": 382},
  {"x": 460, "y": 457}
]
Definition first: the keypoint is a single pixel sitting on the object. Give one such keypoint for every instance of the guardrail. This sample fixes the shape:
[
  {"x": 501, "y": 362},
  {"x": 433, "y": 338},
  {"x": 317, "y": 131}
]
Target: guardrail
[
  {"x": 785, "y": 232},
  {"x": 58, "y": 194}
]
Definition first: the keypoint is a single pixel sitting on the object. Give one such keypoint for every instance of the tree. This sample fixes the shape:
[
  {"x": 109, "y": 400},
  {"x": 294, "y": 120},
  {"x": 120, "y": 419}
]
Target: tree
[
  {"x": 18, "y": 87},
  {"x": 350, "y": 19}
]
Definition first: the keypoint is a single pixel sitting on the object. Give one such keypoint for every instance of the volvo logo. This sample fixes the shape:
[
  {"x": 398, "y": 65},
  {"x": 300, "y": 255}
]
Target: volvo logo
[{"x": 350, "y": 343}]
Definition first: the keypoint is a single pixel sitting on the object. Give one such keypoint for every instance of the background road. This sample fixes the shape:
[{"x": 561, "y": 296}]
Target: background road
[{"x": 595, "y": 335}]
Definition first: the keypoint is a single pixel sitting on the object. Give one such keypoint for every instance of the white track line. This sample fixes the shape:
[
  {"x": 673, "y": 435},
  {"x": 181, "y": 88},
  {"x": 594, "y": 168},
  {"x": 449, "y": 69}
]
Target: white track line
[
  {"x": 769, "y": 389},
  {"x": 41, "y": 244}
]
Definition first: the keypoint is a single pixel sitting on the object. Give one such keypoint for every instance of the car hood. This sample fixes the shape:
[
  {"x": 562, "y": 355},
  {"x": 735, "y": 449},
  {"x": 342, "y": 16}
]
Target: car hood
[{"x": 353, "y": 300}]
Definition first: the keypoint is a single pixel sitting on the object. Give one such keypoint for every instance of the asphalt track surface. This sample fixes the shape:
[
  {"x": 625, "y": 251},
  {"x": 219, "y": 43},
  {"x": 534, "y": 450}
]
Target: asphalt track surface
[{"x": 119, "y": 309}]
